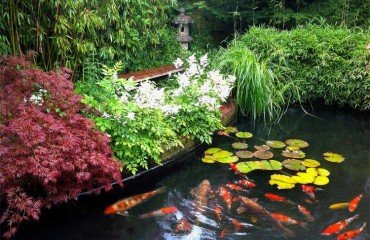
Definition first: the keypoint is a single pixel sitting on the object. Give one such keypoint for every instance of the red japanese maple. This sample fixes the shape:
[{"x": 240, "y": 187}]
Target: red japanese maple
[{"x": 49, "y": 153}]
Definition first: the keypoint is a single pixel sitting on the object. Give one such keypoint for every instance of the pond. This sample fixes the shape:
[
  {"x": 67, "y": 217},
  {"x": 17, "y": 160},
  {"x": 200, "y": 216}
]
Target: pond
[{"x": 343, "y": 132}]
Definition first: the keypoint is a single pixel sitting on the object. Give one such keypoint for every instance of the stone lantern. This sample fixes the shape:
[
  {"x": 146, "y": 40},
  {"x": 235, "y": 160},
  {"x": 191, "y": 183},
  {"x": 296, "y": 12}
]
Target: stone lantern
[{"x": 183, "y": 21}]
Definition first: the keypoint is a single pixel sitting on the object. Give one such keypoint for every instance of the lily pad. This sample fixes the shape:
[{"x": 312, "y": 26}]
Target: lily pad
[
  {"x": 239, "y": 145},
  {"x": 304, "y": 178},
  {"x": 222, "y": 154},
  {"x": 275, "y": 144},
  {"x": 262, "y": 147},
  {"x": 282, "y": 181},
  {"x": 323, "y": 172},
  {"x": 231, "y": 159},
  {"x": 208, "y": 159},
  {"x": 321, "y": 180},
  {"x": 244, "y": 134},
  {"x": 333, "y": 157},
  {"x": 297, "y": 143},
  {"x": 293, "y": 164},
  {"x": 244, "y": 154},
  {"x": 310, "y": 163},
  {"x": 212, "y": 150},
  {"x": 312, "y": 171},
  {"x": 293, "y": 154},
  {"x": 276, "y": 165},
  {"x": 230, "y": 129},
  {"x": 244, "y": 167},
  {"x": 283, "y": 178},
  {"x": 291, "y": 148},
  {"x": 263, "y": 154}
]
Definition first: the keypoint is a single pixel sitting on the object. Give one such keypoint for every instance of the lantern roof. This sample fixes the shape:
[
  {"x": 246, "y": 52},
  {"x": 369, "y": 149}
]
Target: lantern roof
[{"x": 182, "y": 18}]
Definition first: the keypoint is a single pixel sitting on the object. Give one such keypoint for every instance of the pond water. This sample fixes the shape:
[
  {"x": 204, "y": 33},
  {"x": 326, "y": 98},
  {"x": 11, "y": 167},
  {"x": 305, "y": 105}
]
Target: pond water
[{"x": 343, "y": 132}]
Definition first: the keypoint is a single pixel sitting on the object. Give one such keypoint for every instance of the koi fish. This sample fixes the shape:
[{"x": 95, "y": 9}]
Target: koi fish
[
  {"x": 247, "y": 183},
  {"x": 235, "y": 187},
  {"x": 310, "y": 190},
  {"x": 352, "y": 205},
  {"x": 201, "y": 194},
  {"x": 183, "y": 226},
  {"x": 240, "y": 210},
  {"x": 351, "y": 233},
  {"x": 160, "y": 212},
  {"x": 277, "y": 198},
  {"x": 226, "y": 196},
  {"x": 218, "y": 212},
  {"x": 306, "y": 213},
  {"x": 257, "y": 210},
  {"x": 338, "y": 226},
  {"x": 285, "y": 219},
  {"x": 339, "y": 206},
  {"x": 125, "y": 204},
  {"x": 237, "y": 225},
  {"x": 223, "y": 233},
  {"x": 223, "y": 133}
]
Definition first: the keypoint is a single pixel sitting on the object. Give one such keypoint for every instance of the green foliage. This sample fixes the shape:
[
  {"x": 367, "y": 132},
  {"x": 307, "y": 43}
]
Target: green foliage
[
  {"x": 68, "y": 32},
  {"x": 258, "y": 91},
  {"x": 325, "y": 62}
]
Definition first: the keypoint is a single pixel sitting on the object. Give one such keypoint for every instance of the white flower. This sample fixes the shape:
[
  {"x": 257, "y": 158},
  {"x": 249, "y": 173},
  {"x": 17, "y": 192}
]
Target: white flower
[
  {"x": 231, "y": 79},
  {"x": 36, "y": 99},
  {"x": 205, "y": 88},
  {"x": 179, "y": 91},
  {"x": 131, "y": 115},
  {"x": 223, "y": 92},
  {"x": 178, "y": 63},
  {"x": 192, "y": 59},
  {"x": 105, "y": 115},
  {"x": 209, "y": 102},
  {"x": 123, "y": 98},
  {"x": 183, "y": 80},
  {"x": 170, "y": 109},
  {"x": 193, "y": 70},
  {"x": 203, "y": 61},
  {"x": 216, "y": 76}
]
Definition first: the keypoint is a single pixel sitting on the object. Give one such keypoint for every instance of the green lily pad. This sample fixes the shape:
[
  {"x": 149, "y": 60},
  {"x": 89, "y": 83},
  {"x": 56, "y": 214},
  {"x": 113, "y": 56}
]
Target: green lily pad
[
  {"x": 321, "y": 180},
  {"x": 323, "y": 172},
  {"x": 293, "y": 154},
  {"x": 333, "y": 157},
  {"x": 239, "y": 145},
  {"x": 276, "y": 165},
  {"x": 310, "y": 163},
  {"x": 231, "y": 159},
  {"x": 263, "y": 154},
  {"x": 297, "y": 143},
  {"x": 312, "y": 171},
  {"x": 244, "y": 167},
  {"x": 222, "y": 154},
  {"x": 244, "y": 134},
  {"x": 265, "y": 165},
  {"x": 282, "y": 181},
  {"x": 304, "y": 178},
  {"x": 275, "y": 144},
  {"x": 293, "y": 164},
  {"x": 244, "y": 154},
  {"x": 291, "y": 148},
  {"x": 262, "y": 148},
  {"x": 212, "y": 150},
  {"x": 208, "y": 159},
  {"x": 230, "y": 129}
]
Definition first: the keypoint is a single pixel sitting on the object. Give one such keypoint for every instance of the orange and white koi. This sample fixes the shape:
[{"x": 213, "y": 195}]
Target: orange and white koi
[
  {"x": 218, "y": 212},
  {"x": 235, "y": 187},
  {"x": 351, "y": 234},
  {"x": 284, "y": 219},
  {"x": 160, "y": 212},
  {"x": 310, "y": 190},
  {"x": 338, "y": 226},
  {"x": 226, "y": 196},
  {"x": 125, "y": 204},
  {"x": 354, "y": 202},
  {"x": 247, "y": 183},
  {"x": 277, "y": 198},
  {"x": 183, "y": 226},
  {"x": 237, "y": 225},
  {"x": 306, "y": 213}
]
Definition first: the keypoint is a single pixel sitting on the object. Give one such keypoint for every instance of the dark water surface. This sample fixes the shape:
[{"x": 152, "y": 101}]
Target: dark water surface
[{"x": 343, "y": 132}]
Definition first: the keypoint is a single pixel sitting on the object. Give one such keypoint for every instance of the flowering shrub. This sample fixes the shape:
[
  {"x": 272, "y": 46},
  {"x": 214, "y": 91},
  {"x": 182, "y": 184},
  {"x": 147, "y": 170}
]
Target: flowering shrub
[
  {"x": 48, "y": 152},
  {"x": 143, "y": 119}
]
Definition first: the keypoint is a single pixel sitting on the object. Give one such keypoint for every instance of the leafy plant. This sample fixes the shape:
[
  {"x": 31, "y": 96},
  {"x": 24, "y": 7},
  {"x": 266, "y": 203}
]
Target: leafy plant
[{"x": 49, "y": 153}]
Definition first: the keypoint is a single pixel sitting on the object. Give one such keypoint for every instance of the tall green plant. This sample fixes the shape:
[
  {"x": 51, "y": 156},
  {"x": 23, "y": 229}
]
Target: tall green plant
[{"x": 257, "y": 88}]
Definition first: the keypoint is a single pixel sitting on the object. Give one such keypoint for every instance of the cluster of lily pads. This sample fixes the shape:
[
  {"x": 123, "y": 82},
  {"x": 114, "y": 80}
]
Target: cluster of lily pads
[{"x": 307, "y": 171}]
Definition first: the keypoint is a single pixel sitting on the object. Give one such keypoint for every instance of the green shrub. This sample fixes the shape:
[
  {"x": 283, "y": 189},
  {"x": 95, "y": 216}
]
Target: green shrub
[{"x": 325, "y": 63}]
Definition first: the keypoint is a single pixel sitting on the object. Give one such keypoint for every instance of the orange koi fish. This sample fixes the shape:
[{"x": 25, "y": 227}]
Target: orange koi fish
[
  {"x": 223, "y": 233},
  {"x": 223, "y": 133},
  {"x": 284, "y": 219},
  {"x": 127, "y": 203},
  {"x": 160, "y": 212},
  {"x": 226, "y": 196},
  {"x": 305, "y": 212},
  {"x": 352, "y": 233},
  {"x": 277, "y": 198},
  {"x": 237, "y": 225},
  {"x": 353, "y": 203},
  {"x": 310, "y": 190},
  {"x": 218, "y": 212},
  {"x": 338, "y": 226},
  {"x": 235, "y": 187},
  {"x": 183, "y": 226},
  {"x": 247, "y": 183}
]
